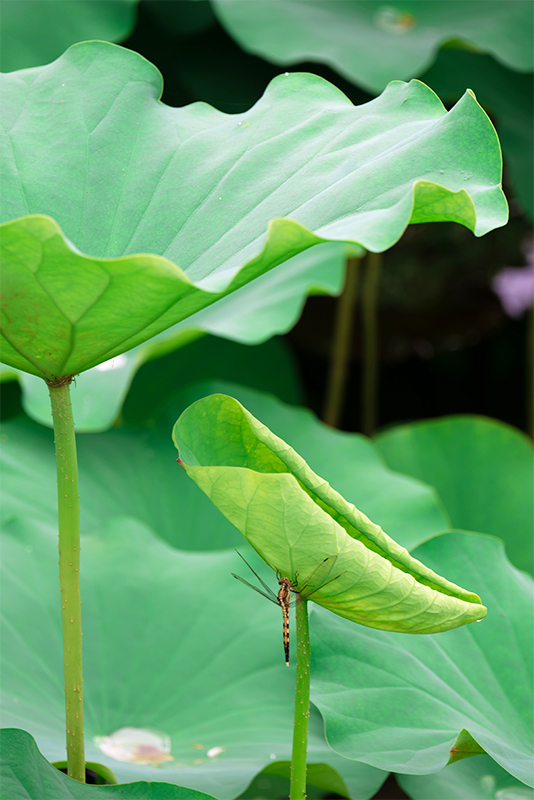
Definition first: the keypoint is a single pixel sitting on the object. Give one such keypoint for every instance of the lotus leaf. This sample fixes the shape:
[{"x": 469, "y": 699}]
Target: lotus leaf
[
  {"x": 169, "y": 644},
  {"x": 348, "y": 34},
  {"x": 405, "y": 699},
  {"x": 483, "y": 471},
  {"x": 296, "y": 521},
  {"x": 225, "y": 197},
  {"x": 26, "y": 773}
]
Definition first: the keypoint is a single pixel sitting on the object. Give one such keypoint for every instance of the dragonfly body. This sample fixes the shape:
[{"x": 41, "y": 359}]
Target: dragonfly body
[{"x": 283, "y": 598}]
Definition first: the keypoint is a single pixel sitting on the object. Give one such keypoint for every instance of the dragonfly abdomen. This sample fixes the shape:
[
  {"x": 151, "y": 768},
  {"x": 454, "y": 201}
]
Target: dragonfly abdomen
[{"x": 284, "y": 598}]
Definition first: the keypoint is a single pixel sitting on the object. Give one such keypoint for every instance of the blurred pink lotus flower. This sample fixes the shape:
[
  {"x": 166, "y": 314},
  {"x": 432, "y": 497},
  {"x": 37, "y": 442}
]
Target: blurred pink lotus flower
[{"x": 514, "y": 286}]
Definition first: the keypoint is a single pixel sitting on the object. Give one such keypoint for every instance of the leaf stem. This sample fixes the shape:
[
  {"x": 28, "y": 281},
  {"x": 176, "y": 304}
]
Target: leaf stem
[
  {"x": 344, "y": 323},
  {"x": 302, "y": 704},
  {"x": 69, "y": 576},
  {"x": 370, "y": 343}
]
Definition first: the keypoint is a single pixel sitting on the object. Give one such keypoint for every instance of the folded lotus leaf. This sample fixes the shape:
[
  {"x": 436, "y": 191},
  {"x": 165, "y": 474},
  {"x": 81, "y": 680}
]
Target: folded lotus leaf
[{"x": 307, "y": 531}]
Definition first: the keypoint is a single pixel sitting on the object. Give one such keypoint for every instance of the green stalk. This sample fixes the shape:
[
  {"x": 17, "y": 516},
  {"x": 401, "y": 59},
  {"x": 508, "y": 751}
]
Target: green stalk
[
  {"x": 344, "y": 323},
  {"x": 302, "y": 704},
  {"x": 69, "y": 576},
  {"x": 370, "y": 343}
]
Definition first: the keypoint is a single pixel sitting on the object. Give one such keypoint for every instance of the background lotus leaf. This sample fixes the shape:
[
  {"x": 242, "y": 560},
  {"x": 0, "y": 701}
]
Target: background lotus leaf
[
  {"x": 296, "y": 521},
  {"x": 402, "y": 156},
  {"x": 482, "y": 469},
  {"x": 406, "y": 698},
  {"x": 126, "y": 469},
  {"x": 348, "y": 35},
  {"x": 210, "y": 670},
  {"x": 35, "y": 33}
]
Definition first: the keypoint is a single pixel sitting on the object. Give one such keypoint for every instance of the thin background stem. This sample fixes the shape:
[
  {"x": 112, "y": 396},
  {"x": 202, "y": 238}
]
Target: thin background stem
[
  {"x": 69, "y": 575},
  {"x": 302, "y": 704},
  {"x": 344, "y": 323},
  {"x": 530, "y": 372},
  {"x": 371, "y": 278}
]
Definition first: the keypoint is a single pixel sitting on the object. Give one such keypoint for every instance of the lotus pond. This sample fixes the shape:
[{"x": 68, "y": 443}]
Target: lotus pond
[{"x": 232, "y": 328}]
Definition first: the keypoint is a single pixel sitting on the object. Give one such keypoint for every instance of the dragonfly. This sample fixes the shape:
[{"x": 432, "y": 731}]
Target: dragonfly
[{"x": 283, "y": 598}]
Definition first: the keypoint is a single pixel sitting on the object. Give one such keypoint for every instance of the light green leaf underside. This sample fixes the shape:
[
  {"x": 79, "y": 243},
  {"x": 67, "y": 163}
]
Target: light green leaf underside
[
  {"x": 295, "y": 520},
  {"x": 301, "y": 167},
  {"x": 372, "y": 43},
  {"x": 406, "y": 699},
  {"x": 269, "y": 305}
]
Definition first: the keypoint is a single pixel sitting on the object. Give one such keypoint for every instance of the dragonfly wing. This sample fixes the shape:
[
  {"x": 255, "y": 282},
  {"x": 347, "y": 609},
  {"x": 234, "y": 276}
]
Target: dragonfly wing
[
  {"x": 265, "y": 586},
  {"x": 322, "y": 585},
  {"x": 318, "y": 578},
  {"x": 269, "y": 594}
]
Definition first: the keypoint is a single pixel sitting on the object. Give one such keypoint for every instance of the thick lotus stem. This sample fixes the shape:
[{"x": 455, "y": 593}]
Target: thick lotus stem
[
  {"x": 302, "y": 704},
  {"x": 69, "y": 575}
]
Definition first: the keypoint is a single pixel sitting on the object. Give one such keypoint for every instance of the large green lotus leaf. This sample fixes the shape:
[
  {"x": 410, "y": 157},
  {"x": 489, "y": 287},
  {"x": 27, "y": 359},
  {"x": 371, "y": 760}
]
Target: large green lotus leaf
[
  {"x": 297, "y": 522},
  {"x": 172, "y": 643},
  {"x": 268, "y": 306},
  {"x": 221, "y": 200},
  {"x": 506, "y": 95},
  {"x": 34, "y": 32},
  {"x": 483, "y": 471},
  {"x": 473, "y": 779},
  {"x": 405, "y": 699},
  {"x": 135, "y": 472},
  {"x": 25, "y": 773},
  {"x": 373, "y": 43}
]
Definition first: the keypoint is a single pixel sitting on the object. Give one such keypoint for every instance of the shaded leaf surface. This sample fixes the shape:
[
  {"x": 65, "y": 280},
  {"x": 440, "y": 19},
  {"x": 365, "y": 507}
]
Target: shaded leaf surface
[
  {"x": 169, "y": 643},
  {"x": 25, "y": 773},
  {"x": 321, "y": 169},
  {"x": 349, "y": 34},
  {"x": 405, "y": 699},
  {"x": 296, "y": 521},
  {"x": 483, "y": 471}
]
